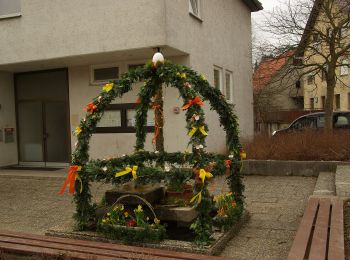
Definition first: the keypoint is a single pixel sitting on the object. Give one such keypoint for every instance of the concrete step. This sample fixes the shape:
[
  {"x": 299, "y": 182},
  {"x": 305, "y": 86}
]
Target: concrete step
[
  {"x": 325, "y": 185},
  {"x": 342, "y": 181}
]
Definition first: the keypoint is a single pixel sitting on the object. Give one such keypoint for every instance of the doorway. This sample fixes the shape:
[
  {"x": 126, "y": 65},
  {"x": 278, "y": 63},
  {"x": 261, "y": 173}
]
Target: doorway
[{"x": 43, "y": 117}]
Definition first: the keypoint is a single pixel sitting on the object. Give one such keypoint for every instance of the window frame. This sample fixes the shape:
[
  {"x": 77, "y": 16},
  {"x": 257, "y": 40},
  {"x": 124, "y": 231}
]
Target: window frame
[
  {"x": 337, "y": 101},
  {"x": 102, "y": 66},
  {"x": 221, "y": 85},
  {"x": 312, "y": 77},
  {"x": 124, "y": 128},
  {"x": 312, "y": 103},
  {"x": 344, "y": 65},
  {"x": 13, "y": 14},
  {"x": 230, "y": 98},
  {"x": 192, "y": 13}
]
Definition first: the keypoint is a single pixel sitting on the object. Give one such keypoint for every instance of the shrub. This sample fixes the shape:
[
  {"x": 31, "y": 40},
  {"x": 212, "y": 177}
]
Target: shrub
[{"x": 308, "y": 145}]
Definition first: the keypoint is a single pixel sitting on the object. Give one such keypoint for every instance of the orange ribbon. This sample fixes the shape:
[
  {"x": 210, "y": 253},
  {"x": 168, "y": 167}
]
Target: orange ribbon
[
  {"x": 196, "y": 101},
  {"x": 91, "y": 107},
  {"x": 71, "y": 177}
]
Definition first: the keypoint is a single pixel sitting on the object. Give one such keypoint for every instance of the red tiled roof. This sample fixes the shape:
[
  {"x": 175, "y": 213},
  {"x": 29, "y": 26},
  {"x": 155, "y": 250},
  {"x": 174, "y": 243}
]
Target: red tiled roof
[{"x": 268, "y": 68}]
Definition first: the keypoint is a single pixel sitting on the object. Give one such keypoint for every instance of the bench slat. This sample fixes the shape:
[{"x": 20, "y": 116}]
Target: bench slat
[
  {"x": 302, "y": 236},
  {"x": 96, "y": 247},
  {"x": 336, "y": 239},
  {"x": 319, "y": 240},
  {"x": 72, "y": 248},
  {"x": 33, "y": 250}
]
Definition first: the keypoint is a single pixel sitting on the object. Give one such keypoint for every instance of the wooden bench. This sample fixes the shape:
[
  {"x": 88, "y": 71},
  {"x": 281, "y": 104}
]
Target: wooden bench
[
  {"x": 52, "y": 247},
  {"x": 321, "y": 231}
]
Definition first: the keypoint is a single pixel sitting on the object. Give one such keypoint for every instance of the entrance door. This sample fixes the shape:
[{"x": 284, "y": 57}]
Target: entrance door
[{"x": 42, "y": 117}]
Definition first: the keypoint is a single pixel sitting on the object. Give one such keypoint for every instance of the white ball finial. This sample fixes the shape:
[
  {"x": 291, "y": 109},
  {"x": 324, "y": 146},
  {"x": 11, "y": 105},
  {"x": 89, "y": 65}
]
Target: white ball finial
[{"x": 157, "y": 57}]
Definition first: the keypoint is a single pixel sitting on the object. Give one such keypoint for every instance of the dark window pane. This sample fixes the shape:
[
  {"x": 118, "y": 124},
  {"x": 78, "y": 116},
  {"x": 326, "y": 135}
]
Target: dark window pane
[{"x": 106, "y": 73}]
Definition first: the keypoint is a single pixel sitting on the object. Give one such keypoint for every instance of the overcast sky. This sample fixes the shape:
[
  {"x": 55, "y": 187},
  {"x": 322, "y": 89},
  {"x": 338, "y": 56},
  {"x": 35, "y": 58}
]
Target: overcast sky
[{"x": 258, "y": 17}]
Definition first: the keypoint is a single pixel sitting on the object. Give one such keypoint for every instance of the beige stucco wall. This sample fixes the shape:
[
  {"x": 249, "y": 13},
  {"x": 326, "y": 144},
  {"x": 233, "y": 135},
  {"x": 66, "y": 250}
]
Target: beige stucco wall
[
  {"x": 8, "y": 151},
  {"x": 223, "y": 39},
  {"x": 62, "y": 28},
  {"x": 115, "y": 144},
  {"x": 50, "y": 34},
  {"x": 318, "y": 89}
]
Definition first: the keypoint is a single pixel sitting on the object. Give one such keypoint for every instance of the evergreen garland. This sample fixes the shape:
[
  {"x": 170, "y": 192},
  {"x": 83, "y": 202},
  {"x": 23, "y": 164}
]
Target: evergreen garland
[{"x": 192, "y": 88}]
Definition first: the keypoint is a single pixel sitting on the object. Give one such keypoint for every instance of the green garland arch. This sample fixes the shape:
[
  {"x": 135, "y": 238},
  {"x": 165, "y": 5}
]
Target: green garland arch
[{"x": 190, "y": 85}]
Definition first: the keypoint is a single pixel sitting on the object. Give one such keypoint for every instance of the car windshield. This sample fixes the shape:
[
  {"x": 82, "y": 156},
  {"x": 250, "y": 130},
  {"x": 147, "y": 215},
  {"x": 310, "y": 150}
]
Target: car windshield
[{"x": 304, "y": 122}]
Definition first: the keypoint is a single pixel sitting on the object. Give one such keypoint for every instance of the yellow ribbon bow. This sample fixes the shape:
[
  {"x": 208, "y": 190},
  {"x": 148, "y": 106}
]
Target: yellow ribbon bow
[
  {"x": 132, "y": 170},
  {"x": 194, "y": 130},
  {"x": 108, "y": 87},
  {"x": 203, "y": 174},
  {"x": 198, "y": 196}
]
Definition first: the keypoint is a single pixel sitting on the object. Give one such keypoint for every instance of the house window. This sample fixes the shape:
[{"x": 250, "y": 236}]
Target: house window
[
  {"x": 344, "y": 68},
  {"x": 323, "y": 74},
  {"x": 337, "y": 101},
  {"x": 343, "y": 33},
  {"x": 329, "y": 32},
  {"x": 315, "y": 37},
  {"x": 10, "y": 8},
  {"x": 120, "y": 118},
  {"x": 194, "y": 7},
  {"x": 312, "y": 103},
  {"x": 323, "y": 102},
  {"x": 103, "y": 74},
  {"x": 229, "y": 86},
  {"x": 135, "y": 66},
  {"x": 218, "y": 78},
  {"x": 310, "y": 79}
]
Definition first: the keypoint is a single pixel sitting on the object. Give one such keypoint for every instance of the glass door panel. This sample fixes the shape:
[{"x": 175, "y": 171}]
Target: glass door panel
[
  {"x": 56, "y": 132},
  {"x": 30, "y": 122}
]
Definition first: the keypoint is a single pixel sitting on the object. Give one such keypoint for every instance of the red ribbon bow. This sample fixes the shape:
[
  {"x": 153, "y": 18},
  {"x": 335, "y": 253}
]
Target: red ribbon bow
[
  {"x": 72, "y": 174},
  {"x": 91, "y": 107},
  {"x": 196, "y": 101}
]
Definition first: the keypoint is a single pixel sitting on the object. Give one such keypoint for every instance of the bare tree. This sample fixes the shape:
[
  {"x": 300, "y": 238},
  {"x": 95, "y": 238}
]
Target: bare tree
[{"x": 319, "y": 31}]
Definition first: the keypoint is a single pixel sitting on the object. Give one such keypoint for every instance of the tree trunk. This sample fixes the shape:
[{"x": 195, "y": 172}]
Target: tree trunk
[
  {"x": 159, "y": 120},
  {"x": 331, "y": 81}
]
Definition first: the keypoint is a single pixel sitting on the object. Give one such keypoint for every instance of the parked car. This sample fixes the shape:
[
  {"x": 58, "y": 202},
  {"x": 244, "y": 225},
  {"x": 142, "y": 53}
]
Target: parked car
[{"x": 341, "y": 120}]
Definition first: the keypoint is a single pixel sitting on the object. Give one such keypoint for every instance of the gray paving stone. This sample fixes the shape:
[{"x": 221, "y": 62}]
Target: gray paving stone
[
  {"x": 32, "y": 204},
  {"x": 325, "y": 184},
  {"x": 342, "y": 181}
]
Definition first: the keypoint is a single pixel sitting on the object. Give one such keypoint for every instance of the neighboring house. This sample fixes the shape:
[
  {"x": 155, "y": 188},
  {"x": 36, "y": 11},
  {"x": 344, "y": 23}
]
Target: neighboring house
[
  {"x": 55, "y": 55},
  {"x": 314, "y": 46},
  {"x": 278, "y": 93}
]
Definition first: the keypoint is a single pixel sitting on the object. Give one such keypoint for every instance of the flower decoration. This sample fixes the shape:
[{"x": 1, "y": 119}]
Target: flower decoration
[
  {"x": 187, "y": 85},
  {"x": 139, "y": 209},
  {"x": 181, "y": 75}
]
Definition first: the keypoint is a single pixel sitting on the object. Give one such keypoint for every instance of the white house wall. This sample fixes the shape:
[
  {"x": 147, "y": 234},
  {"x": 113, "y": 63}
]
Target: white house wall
[
  {"x": 62, "y": 28},
  {"x": 8, "y": 151},
  {"x": 222, "y": 38}
]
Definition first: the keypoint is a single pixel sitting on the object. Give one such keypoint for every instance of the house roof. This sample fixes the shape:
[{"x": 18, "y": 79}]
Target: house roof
[
  {"x": 268, "y": 68},
  {"x": 308, "y": 28},
  {"x": 254, "y": 5}
]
